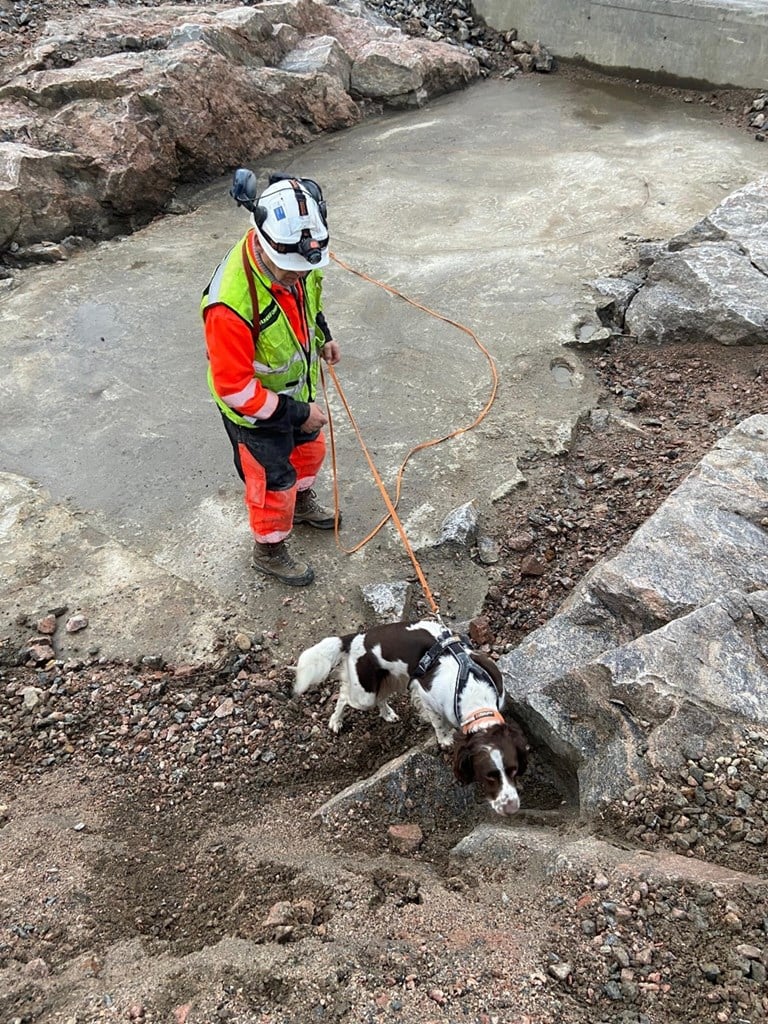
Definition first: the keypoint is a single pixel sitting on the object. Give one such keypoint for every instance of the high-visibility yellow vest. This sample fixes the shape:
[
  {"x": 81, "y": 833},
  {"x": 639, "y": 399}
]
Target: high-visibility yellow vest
[{"x": 280, "y": 361}]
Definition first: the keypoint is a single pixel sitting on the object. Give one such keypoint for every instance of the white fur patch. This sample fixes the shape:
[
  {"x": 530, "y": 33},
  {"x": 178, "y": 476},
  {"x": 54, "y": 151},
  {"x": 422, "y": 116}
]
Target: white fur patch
[{"x": 508, "y": 799}]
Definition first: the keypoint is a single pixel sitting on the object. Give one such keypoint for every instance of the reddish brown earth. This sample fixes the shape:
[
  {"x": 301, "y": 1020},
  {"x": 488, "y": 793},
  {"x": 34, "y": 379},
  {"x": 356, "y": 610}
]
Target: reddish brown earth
[
  {"x": 133, "y": 814},
  {"x": 158, "y": 855}
]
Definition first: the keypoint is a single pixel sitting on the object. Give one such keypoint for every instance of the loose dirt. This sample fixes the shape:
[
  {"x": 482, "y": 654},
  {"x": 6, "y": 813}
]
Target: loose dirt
[{"x": 162, "y": 861}]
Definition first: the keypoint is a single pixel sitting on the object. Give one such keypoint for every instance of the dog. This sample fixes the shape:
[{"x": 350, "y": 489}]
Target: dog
[{"x": 459, "y": 691}]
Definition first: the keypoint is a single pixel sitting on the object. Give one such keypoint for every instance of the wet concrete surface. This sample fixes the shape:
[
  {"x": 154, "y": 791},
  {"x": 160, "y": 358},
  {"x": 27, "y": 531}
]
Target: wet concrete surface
[{"x": 494, "y": 207}]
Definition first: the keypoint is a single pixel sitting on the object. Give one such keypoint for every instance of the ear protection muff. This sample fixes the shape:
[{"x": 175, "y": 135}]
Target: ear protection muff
[{"x": 243, "y": 191}]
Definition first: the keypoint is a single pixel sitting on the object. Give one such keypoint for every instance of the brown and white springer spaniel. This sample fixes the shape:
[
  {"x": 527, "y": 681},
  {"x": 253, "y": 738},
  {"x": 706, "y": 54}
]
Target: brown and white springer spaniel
[{"x": 459, "y": 691}]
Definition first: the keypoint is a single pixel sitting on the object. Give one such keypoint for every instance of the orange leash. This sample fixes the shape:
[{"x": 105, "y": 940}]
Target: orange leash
[
  {"x": 392, "y": 505},
  {"x": 380, "y": 483}
]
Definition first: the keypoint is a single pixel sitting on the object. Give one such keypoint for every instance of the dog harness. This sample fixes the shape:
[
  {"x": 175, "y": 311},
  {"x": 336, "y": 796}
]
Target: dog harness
[{"x": 450, "y": 643}]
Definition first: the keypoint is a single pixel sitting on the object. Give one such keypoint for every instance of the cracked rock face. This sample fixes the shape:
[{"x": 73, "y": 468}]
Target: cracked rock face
[
  {"x": 111, "y": 109},
  {"x": 660, "y": 650},
  {"x": 706, "y": 284}
]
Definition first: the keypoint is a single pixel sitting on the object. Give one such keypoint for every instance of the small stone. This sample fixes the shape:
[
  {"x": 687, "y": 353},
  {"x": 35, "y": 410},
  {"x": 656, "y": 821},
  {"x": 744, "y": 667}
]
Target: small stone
[
  {"x": 560, "y": 971},
  {"x": 75, "y": 623},
  {"x": 47, "y": 625},
  {"x": 31, "y": 697},
  {"x": 612, "y": 990},
  {"x": 459, "y": 526},
  {"x": 520, "y": 541},
  {"x": 620, "y": 955},
  {"x": 750, "y": 952},
  {"x": 532, "y": 566},
  {"x": 37, "y": 968},
  {"x": 224, "y": 709},
  {"x": 405, "y": 838},
  {"x": 480, "y": 631},
  {"x": 243, "y": 642},
  {"x": 487, "y": 550},
  {"x": 40, "y": 652},
  {"x": 280, "y": 914}
]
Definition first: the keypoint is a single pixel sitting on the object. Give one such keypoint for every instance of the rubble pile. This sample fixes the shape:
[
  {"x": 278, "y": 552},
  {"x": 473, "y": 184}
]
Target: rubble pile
[
  {"x": 655, "y": 947},
  {"x": 715, "y": 809},
  {"x": 454, "y": 21},
  {"x": 757, "y": 114}
]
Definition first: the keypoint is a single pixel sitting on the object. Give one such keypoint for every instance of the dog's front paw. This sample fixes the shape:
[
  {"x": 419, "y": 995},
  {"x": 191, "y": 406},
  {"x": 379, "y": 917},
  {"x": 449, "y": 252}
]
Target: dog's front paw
[
  {"x": 388, "y": 714},
  {"x": 334, "y": 724}
]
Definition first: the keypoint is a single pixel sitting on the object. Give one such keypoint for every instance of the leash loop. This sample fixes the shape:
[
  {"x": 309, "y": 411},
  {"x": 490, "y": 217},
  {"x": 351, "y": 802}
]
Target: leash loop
[
  {"x": 380, "y": 484},
  {"x": 390, "y": 504}
]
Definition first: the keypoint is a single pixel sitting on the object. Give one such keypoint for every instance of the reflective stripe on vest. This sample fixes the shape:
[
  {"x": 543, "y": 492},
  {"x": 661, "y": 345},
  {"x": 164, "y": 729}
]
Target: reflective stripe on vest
[{"x": 280, "y": 362}]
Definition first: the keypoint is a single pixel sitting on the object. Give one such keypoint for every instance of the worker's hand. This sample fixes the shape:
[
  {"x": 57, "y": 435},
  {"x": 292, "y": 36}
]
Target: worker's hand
[
  {"x": 315, "y": 420},
  {"x": 331, "y": 352}
]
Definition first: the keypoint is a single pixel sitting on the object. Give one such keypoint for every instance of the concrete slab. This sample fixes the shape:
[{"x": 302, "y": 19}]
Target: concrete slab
[
  {"x": 493, "y": 207},
  {"x": 716, "y": 42}
]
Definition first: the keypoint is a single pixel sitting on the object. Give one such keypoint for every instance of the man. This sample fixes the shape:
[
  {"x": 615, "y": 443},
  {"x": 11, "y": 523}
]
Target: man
[{"x": 265, "y": 331}]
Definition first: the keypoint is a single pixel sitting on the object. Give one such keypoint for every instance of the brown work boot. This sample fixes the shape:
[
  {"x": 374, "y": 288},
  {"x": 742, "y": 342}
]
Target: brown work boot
[
  {"x": 309, "y": 510},
  {"x": 275, "y": 560}
]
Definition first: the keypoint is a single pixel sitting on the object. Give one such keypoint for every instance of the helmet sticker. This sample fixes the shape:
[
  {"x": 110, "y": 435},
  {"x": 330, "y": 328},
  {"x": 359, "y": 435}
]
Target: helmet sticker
[{"x": 279, "y": 213}]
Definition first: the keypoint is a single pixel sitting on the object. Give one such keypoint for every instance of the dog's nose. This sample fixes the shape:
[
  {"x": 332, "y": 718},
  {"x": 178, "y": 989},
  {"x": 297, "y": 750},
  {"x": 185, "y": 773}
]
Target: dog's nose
[{"x": 508, "y": 804}]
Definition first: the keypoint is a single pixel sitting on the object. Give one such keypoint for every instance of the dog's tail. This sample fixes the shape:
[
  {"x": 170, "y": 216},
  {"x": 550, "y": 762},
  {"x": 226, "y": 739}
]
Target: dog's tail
[{"x": 316, "y": 663}]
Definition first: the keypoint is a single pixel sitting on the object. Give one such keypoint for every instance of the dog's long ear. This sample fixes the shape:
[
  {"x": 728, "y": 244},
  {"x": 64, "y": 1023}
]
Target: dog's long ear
[
  {"x": 490, "y": 667},
  {"x": 521, "y": 745},
  {"x": 462, "y": 760}
]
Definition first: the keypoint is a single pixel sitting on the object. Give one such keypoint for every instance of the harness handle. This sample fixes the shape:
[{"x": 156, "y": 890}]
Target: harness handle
[{"x": 458, "y": 649}]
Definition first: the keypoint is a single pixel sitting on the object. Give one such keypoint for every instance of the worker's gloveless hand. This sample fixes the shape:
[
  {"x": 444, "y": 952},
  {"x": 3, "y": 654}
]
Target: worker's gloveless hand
[
  {"x": 315, "y": 420},
  {"x": 331, "y": 352}
]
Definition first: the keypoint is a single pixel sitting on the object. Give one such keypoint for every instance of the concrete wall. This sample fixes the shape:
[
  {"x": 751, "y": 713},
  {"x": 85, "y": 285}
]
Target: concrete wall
[{"x": 721, "y": 42}]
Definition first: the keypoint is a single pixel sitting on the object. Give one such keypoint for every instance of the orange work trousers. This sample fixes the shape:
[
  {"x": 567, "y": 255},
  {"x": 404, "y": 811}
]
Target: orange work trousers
[{"x": 274, "y": 465}]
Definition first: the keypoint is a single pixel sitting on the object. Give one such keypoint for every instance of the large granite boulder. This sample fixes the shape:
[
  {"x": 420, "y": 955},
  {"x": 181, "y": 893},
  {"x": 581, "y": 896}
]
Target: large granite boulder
[
  {"x": 708, "y": 283},
  {"x": 113, "y": 108},
  {"x": 661, "y": 652}
]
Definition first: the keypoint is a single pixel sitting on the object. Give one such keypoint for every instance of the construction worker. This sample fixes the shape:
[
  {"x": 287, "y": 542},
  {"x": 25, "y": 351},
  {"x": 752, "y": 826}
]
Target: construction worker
[{"x": 264, "y": 367}]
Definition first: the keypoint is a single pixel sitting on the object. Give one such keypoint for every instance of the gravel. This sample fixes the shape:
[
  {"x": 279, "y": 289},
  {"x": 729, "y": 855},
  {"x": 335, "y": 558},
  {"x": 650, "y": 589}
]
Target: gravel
[
  {"x": 152, "y": 814},
  {"x": 171, "y": 807}
]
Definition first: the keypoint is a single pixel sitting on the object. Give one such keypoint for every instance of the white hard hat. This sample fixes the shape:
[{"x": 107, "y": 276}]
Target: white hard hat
[{"x": 291, "y": 226}]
